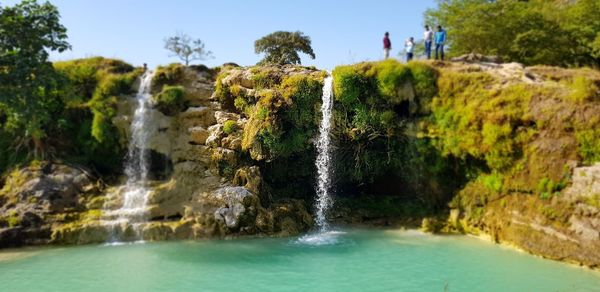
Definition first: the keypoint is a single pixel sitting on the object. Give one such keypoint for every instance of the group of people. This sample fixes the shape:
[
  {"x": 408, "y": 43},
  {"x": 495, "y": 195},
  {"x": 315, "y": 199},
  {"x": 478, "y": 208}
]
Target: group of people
[{"x": 429, "y": 38}]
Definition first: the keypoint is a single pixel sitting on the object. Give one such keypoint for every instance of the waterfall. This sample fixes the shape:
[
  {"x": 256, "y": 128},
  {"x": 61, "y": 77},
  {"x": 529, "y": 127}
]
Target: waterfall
[
  {"x": 135, "y": 191},
  {"x": 323, "y": 162}
]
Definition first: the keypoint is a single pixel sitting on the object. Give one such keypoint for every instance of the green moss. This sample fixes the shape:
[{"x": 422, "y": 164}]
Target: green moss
[
  {"x": 588, "y": 141},
  {"x": 374, "y": 102},
  {"x": 584, "y": 89},
  {"x": 493, "y": 182},
  {"x": 94, "y": 87},
  {"x": 265, "y": 77},
  {"x": 223, "y": 93},
  {"x": 281, "y": 111},
  {"x": 546, "y": 187},
  {"x": 471, "y": 118},
  {"x": 170, "y": 100},
  {"x": 352, "y": 85},
  {"x": 391, "y": 76},
  {"x": 229, "y": 127},
  {"x": 11, "y": 220},
  {"x": 172, "y": 74}
]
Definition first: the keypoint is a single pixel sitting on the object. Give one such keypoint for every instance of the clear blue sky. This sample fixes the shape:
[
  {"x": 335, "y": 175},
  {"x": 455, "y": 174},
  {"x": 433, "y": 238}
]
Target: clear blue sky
[{"x": 342, "y": 31}]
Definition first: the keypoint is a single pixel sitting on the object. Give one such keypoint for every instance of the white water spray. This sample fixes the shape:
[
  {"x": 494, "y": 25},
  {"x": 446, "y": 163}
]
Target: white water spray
[
  {"x": 135, "y": 192},
  {"x": 323, "y": 162}
]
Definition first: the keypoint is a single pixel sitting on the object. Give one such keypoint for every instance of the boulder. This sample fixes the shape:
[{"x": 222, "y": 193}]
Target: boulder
[
  {"x": 31, "y": 194},
  {"x": 238, "y": 207}
]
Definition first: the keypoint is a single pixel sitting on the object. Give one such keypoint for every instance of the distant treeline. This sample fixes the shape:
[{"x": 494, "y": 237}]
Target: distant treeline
[{"x": 550, "y": 32}]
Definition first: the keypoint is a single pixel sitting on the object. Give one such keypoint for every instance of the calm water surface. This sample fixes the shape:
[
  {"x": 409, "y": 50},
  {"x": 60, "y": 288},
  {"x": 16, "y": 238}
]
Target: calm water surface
[{"x": 354, "y": 260}]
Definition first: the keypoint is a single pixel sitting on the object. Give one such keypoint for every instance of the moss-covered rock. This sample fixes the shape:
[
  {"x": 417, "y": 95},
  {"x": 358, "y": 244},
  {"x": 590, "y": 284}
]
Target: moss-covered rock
[{"x": 170, "y": 100}]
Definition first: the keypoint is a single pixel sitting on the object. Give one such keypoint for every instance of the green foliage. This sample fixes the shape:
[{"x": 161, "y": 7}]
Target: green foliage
[
  {"x": 94, "y": 86},
  {"x": 584, "y": 89},
  {"x": 282, "y": 47},
  {"x": 170, "y": 100},
  {"x": 547, "y": 187},
  {"x": 373, "y": 105},
  {"x": 352, "y": 85},
  {"x": 471, "y": 118},
  {"x": 588, "y": 141},
  {"x": 229, "y": 127},
  {"x": 391, "y": 77},
  {"x": 282, "y": 111},
  {"x": 13, "y": 219},
  {"x": 224, "y": 95},
  {"x": 173, "y": 74},
  {"x": 264, "y": 78},
  {"x": 530, "y": 32},
  {"x": 28, "y": 82},
  {"x": 104, "y": 101},
  {"x": 493, "y": 182}
]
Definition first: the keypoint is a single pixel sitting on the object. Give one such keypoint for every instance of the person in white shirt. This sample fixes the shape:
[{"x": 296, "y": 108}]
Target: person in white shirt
[
  {"x": 428, "y": 38},
  {"x": 410, "y": 48}
]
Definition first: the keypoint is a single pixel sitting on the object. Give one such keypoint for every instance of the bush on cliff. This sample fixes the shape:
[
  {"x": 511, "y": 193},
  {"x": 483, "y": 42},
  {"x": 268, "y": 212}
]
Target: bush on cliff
[
  {"x": 94, "y": 86},
  {"x": 375, "y": 101},
  {"x": 170, "y": 100}
]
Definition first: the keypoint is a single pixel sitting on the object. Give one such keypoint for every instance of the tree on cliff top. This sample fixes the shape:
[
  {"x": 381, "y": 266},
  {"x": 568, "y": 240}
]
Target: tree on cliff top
[
  {"x": 187, "y": 49},
  {"x": 282, "y": 47},
  {"x": 29, "y": 85}
]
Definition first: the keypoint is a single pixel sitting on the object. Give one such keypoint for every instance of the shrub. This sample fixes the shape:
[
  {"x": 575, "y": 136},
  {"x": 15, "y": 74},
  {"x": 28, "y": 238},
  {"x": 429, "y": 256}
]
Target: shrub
[
  {"x": 588, "y": 141},
  {"x": 170, "y": 100}
]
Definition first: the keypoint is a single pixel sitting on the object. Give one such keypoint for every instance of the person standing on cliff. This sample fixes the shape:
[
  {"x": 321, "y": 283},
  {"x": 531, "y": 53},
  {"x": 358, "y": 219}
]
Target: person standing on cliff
[
  {"x": 428, "y": 38},
  {"x": 440, "y": 40},
  {"x": 410, "y": 48},
  {"x": 387, "y": 45}
]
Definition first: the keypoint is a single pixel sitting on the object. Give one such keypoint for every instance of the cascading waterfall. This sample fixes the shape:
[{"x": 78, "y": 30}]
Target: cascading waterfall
[
  {"x": 135, "y": 192},
  {"x": 323, "y": 162}
]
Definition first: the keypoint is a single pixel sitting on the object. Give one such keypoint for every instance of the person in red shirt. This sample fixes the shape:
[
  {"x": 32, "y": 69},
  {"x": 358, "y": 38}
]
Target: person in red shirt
[{"x": 387, "y": 45}]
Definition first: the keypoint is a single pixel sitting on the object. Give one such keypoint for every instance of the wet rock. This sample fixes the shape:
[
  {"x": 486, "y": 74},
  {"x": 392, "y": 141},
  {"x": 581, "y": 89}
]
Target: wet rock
[
  {"x": 85, "y": 234},
  {"x": 155, "y": 231}
]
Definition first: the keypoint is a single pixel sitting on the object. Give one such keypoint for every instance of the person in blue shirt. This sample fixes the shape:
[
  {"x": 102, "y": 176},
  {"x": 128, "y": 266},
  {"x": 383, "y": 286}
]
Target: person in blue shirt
[{"x": 440, "y": 40}]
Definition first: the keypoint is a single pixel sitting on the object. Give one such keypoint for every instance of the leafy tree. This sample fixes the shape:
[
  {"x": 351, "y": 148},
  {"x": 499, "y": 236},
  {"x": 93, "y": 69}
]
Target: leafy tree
[
  {"x": 282, "y": 47},
  {"x": 531, "y": 32},
  {"x": 29, "y": 85},
  {"x": 187, "y": 49}
]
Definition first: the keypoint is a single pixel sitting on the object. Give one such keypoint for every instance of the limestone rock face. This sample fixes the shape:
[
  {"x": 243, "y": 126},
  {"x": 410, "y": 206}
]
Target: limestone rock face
[{"x": 586, "y": 182}]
